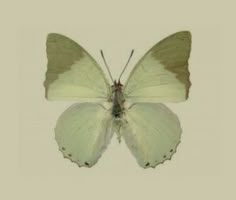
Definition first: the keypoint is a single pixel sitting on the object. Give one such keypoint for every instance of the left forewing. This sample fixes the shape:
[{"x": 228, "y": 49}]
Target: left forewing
[{"x": 72, "y": 73}]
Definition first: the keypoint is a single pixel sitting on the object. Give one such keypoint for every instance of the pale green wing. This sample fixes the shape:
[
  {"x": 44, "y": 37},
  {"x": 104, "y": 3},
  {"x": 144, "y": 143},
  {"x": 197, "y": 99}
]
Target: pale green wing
[
  {"x": 83, "y": 131},
  {"x": 152, "y": 133},
  {"x": 162, "y": 74},
  {"x": 72, "y": 73}
]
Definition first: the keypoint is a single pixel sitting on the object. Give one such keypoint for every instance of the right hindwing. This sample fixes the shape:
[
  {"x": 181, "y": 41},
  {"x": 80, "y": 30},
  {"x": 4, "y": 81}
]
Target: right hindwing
[{"x": 152, "y": 133}]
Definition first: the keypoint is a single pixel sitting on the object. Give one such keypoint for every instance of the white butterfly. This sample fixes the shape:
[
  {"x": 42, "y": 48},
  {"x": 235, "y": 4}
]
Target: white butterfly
[{"x": 134, "y": 111}]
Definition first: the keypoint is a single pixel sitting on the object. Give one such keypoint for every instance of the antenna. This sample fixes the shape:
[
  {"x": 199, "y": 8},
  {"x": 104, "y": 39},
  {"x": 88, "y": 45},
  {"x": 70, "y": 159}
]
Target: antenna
[
  {"x": 126, "y": 63},
  {"x": 106, "y": 66}
]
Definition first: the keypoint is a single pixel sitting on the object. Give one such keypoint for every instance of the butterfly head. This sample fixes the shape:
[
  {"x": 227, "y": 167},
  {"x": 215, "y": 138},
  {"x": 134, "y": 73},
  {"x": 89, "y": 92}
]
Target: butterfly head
[{"x": 117, "y": 86}]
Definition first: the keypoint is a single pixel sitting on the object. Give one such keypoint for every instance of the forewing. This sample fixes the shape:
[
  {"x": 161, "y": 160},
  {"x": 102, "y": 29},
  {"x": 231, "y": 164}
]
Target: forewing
[
  {"x": 152, "y": 133},
  {"x": 72, "y": 74},
  {"x": 83, "y": 131},
  {"x": 162, "y": 74}
]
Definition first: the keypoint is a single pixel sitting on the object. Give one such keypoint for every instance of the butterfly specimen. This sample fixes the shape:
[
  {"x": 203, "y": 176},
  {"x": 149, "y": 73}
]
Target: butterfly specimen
[{"x": 134, "y": 111}]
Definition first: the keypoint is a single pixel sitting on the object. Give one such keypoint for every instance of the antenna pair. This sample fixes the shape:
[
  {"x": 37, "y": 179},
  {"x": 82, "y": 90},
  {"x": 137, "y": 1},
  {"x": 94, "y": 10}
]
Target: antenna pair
[{"x": 123, "y": 68}]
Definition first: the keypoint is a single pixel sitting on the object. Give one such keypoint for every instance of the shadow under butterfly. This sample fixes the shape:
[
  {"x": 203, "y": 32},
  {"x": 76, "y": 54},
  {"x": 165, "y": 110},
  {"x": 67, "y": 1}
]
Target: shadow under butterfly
[{"x": 134, "y": 111}]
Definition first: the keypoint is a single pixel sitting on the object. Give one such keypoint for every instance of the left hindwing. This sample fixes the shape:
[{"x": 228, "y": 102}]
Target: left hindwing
[
  {"x": 83, "y": 132},
  {"x": 162, "y": 74}
]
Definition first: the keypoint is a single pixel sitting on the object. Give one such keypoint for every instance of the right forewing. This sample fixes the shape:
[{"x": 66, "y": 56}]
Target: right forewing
[{"x": 162, "y": 74}]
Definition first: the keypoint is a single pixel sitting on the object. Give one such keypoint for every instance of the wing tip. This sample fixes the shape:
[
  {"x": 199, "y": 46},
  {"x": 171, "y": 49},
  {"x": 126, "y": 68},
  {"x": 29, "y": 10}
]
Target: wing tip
[
  {"x": 54, "y": 37},
  {"x": 182, "y": 35},
  {"x": 184, "y": 32},
  {"x": 51, "y": 36}
]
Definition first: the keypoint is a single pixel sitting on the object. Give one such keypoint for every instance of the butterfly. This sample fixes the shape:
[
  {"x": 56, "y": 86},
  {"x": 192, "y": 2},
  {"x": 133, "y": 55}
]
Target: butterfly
[{"x": 134, "y": 111}]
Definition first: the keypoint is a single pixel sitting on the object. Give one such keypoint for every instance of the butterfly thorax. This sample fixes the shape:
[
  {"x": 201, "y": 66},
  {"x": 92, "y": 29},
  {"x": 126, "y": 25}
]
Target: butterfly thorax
[{"x": 117, "y": 99}]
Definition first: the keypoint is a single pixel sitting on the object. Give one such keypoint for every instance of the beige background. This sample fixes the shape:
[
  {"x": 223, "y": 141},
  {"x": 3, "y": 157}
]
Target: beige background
[{"x": 32, "y": 166}]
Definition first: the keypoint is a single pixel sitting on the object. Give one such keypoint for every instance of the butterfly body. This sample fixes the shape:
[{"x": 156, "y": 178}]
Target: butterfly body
[
  {"x": 118, "y": 100},
  {"x": 134, "y": 110}
]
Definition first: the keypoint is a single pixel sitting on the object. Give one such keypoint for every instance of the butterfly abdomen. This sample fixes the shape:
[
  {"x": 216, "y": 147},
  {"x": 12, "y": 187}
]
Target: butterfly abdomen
[{"x": 116, "y": 110}]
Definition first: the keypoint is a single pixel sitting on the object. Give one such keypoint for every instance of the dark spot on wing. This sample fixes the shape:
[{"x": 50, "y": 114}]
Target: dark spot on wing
[
  {"x": 63, "y": 148},
  {"x": 171, "y": 150},
  {"x": 164, "y": 156},
  {"x": 86, "y": 164},
  {"x": 147, "y": 164},
  {"x": 69, "y": 155}
]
